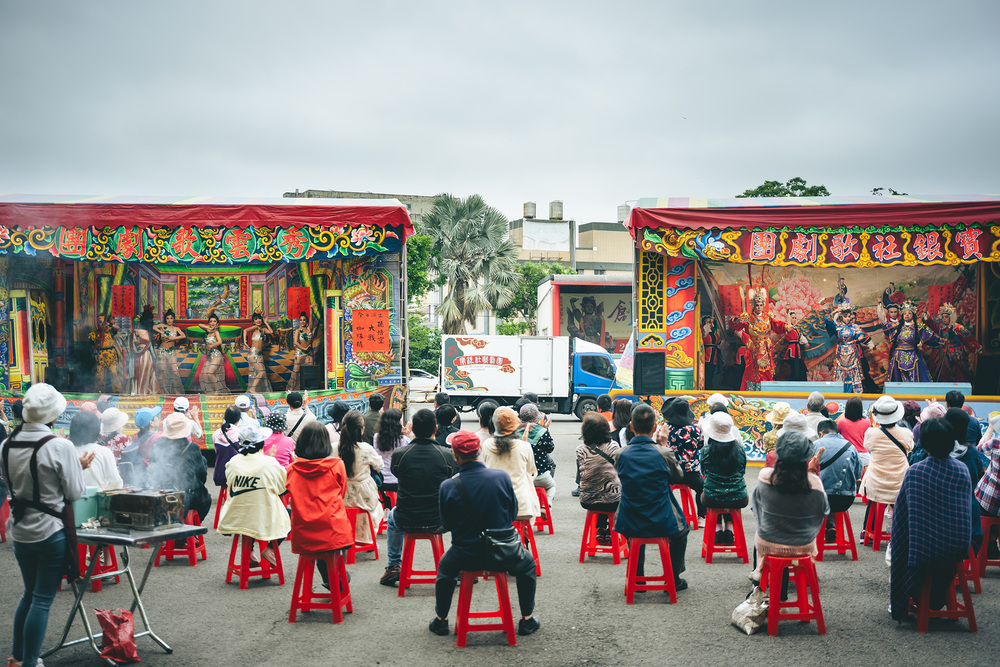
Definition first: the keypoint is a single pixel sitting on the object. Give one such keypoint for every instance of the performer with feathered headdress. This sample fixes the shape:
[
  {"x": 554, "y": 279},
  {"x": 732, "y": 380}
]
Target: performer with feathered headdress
[
  {"x": 754, "y": 327},
  {"x": 905, "y": 362},
  {"x": 848, "y": 365},
  {"x": 955, "y": 361}
]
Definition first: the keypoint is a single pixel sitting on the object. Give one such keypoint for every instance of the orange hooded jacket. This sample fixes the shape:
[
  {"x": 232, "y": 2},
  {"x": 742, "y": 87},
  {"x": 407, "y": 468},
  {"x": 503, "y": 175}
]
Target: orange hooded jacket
[{"x": 319, "y": 521}]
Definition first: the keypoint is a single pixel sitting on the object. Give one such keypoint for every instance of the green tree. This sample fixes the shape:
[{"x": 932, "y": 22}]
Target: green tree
[
  {"x": 477, "y": 260},
  {"x": 419, "y": 279},
  {"x": 425, "y": 344},
  {"x": 882, "y": 191},
  {"x": 519, "y": 315},
  {"x": 795, "y": 187}
]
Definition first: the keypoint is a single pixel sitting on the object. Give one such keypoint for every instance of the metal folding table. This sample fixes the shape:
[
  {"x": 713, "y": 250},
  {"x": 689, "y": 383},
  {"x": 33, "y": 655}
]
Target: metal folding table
[{"x": 125, "y": 539}]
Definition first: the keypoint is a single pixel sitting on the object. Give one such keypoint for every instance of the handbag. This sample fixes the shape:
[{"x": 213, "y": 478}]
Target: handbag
[
  {"x": 501, "y": 547},
  {"x": 378, "y": 477},
  {"x": 751, "y": 614},
  {"x": 118, "y": 640}
]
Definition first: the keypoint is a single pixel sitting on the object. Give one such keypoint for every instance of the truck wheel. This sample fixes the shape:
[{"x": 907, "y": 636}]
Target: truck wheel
[{"x": 585, "y": 406}]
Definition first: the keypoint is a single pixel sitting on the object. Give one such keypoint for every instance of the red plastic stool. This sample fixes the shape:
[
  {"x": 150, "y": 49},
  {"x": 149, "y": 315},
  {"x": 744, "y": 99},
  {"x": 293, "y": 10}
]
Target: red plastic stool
[
  {"x": 4, "y": 517},
  {"x": 352, "y": 515},
  {"x": 87, "y": 553},
  {"x": 874, "y": 528},
  {"x": 635, "y": 583},
  {"x": 952, "y": 609},
  {"x": 845, "y": 537},
  {"x": 407, "y": 575},
  {"x": 462, "y": 625},
  {"x": 988, "y": 523},
  {"x": 589, "y": 546},
  {"x": 544, "y": 521},
  {"x": 223, "y": 494},
  {"x": 387, "y": 498},
  {"x": 688, "y": 504},
  {"x": 971, "y": 568},
  {"x": 524, "y": 529},
  {"x": 806, "y": 592},
  {"x": 242, "y": 567},
  {"x": 708, "y": 545},
  {"x": 195, "y": 545},
  {"x": 303, "y": 598}
]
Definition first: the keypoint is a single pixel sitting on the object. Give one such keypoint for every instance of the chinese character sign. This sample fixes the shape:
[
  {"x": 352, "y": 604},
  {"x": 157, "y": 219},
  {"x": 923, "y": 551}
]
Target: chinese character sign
[
  {"x": 370, "y": 330},
  {"x": 298, "y": 302},
  {"x": 123, "y": 301}
]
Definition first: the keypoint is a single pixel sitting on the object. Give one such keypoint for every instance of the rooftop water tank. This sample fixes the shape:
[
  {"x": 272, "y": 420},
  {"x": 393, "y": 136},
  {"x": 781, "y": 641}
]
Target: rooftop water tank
[
  {"x": 529, "y": 210},
  {"x": 555, "y": 210},
  {"x": 623, "y": 210}
]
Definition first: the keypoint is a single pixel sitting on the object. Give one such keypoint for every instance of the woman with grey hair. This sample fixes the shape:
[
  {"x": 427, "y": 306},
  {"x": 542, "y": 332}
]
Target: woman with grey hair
[{"x": 542, "y": 446}]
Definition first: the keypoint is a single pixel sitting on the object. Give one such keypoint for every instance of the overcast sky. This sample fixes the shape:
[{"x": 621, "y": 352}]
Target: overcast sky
[{"x": 593, "y": 103}]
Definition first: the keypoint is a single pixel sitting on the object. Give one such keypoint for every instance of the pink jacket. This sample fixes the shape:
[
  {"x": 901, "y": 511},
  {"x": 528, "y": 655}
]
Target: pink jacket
[{"x": 281, "y": 447}]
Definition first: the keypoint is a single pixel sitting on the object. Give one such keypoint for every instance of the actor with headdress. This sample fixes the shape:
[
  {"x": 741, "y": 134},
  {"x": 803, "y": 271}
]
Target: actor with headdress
[
  {"x": 848, "y": 367},
  {"x": 792, "y": 355},
  {"x": 905, "y": 362},
  {"x": 754, "y": 328},
  {"x": 955, "y": 361},
  {"x": 710, "y": 341}
]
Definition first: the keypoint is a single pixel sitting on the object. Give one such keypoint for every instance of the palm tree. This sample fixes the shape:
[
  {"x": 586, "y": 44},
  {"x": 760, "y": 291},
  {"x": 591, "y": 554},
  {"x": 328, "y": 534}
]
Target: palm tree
[{"x": 475, "y": 257}]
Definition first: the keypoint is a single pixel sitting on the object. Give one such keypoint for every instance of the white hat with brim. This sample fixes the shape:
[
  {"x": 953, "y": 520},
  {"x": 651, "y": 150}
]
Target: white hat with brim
[
  {"x": 112, "y": 421},
  {"x": 779, "y": 411},
  {"x": 719, "y": 427},
  {"x": 177, "y": 426},
  {"x": 717, "y": 399},
  {"x": 887, "y": 410},
  {"x": 42, "y": 404}
]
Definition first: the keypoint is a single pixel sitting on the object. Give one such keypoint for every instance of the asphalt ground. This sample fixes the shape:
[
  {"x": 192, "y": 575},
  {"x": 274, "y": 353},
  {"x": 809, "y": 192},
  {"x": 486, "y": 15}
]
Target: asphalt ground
[{"x": 584, "y": 618}]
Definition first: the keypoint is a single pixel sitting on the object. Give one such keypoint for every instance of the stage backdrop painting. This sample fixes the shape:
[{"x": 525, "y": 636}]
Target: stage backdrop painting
[
  {"x": 603, "y": 319},
  {"x": 805, "y": 296},
  {"x": 207, "y": 294}
]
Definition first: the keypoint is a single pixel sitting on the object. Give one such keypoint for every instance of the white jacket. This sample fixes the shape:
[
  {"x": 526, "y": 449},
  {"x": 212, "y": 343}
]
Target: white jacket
[{"x": 254, "y": 508}]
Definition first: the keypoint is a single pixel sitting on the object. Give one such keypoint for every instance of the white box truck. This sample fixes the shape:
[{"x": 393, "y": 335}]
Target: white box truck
[{"x": 568, "y": 374}]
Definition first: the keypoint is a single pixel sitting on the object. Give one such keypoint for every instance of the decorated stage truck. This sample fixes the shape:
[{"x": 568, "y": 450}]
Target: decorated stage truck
[
  {"x": 766, "y": 300},
  {"x": 68, "y": 263}
]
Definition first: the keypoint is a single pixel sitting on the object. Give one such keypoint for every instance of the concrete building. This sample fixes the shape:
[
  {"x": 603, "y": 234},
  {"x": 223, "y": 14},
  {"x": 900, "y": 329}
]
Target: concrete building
[{"x": 417, "y": 205}]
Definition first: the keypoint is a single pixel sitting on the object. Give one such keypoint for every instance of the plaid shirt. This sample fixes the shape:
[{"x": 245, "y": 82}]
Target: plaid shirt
[{"x": 988, "y": 489}]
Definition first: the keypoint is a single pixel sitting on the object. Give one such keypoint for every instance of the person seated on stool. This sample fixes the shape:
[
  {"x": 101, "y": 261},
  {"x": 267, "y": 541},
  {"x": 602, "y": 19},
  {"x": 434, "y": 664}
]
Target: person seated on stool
[
  {"x": 647, "y": 507},
  {"x": 600, "y": 489},
  {"x": 256, "y": 482},
  {"x": 840, "y": 471},
  {"x": 931, "y": 523},
  {"x": 789, "y": 503},
  {"x": 419, "y": 468},
  {"x": 685, "y": 438},
  {"x": 888, "y": 462},
  {"x": 492, "y": 494},
  {"x": 724, "y": 462},
  {"x": 988, "y": 489}
]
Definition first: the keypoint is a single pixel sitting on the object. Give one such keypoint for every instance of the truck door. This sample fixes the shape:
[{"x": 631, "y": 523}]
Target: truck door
[
  {"x": 593, "y": 373},
  {"x": 536, "y": 366}
]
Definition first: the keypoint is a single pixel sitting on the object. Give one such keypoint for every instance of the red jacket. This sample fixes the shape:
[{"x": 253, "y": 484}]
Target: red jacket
[{"x": 319, "y": 521}]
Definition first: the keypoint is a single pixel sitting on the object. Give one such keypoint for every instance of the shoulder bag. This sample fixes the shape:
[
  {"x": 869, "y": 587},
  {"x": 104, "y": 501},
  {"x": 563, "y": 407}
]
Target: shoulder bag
[
  {"x": 836, "y": 456},
  {"x": 501, "y": 546},
  {"x": 296, "y": 423},
  {"x": 19, "y": 506},
  {"x": 894, "y": 441}
]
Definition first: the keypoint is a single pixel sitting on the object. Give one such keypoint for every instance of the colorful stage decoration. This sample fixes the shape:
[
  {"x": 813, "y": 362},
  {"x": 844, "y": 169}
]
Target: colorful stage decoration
[
  {"x": 298, "y": 302},
  {"x": 123, "y": 301},
  {"x": 810, "y": 255}
]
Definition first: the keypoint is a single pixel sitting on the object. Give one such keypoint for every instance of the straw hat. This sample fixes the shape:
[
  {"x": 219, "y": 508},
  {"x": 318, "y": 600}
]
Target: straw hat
[
  {"x": 177, "y": 426},
  {"x": 779, "y": 411},
  {"x": 719, "y": 427},
  {"x": 887, "y": 410},
  {"x": 112, "y": 421}
]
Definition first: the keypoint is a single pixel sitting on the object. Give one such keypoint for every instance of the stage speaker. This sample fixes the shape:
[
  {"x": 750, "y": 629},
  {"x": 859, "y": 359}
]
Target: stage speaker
[
  {"x": 650, "y": 373},
  {"x": 310, "y": 376}
]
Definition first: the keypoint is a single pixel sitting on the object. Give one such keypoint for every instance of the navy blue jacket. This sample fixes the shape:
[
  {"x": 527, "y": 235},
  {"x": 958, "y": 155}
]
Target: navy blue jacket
[
  {"x": 647, "y": 507},
  {"x": 492, "y": 494}
]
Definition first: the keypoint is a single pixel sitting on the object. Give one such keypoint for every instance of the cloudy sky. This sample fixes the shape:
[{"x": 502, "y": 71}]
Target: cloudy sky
[{"x": 593, "y": 103}]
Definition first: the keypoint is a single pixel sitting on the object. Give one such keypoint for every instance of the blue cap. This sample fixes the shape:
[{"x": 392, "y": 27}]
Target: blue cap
[{"x": 145, "y": 415}]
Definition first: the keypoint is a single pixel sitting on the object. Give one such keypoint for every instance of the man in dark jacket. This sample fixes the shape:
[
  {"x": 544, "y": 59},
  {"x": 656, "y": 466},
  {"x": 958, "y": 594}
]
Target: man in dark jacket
[
  {"x": 447, "y": 423},
  {"x": 420, "y": 467},
  {"x": 647, "y": 507},
  {"x": 375, "y": 403},
  {"x": 488, "y": 502}
]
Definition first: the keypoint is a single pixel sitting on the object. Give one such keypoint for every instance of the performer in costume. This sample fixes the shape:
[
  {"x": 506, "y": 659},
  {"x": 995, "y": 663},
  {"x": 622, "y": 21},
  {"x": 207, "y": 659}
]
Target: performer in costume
[
  {"x": 955, "y": 361},
  {"x": 303, "y": 338},
  {"x": 254, "y": 337},
  {"x": 166, "y": 355},
  {"x": 213, "y": 374},
  {"x": 754, "y": 328},
  {"x": 109, "y": 377},
  {"x": 143, "y": 364},
  {"x": 710, "y": 340},
  {"x": 848, "y": 366},
  {"x": 793, "y": 352},
  {"x": 905, "y": 362}
]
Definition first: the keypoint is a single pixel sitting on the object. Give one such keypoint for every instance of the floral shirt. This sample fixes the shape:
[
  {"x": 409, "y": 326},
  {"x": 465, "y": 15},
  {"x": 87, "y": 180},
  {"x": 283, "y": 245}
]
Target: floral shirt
[
  {"x": 686, "y": 441},
  {"x": 118, "y": 444}
]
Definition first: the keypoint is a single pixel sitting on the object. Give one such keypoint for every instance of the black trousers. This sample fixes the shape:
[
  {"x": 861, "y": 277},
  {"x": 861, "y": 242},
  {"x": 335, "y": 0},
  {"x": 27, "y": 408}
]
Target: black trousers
[
  {"x": 453, "y": 563},
  {"x": 697, "y": 484},
  {"x": 602, "y": 521},
  {"x": 839, "y": 503},
  {"x": 678, "y": 545}
]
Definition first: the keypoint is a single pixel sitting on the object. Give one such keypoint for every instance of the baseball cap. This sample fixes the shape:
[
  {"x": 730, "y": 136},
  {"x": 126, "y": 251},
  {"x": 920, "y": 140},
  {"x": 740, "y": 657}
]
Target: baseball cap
[
  {"x": 144, "y": 416},
  {"x": 181, "y": 404},
  {"x": 243, "y": 402},
  {"x": 463, "y": 442}
]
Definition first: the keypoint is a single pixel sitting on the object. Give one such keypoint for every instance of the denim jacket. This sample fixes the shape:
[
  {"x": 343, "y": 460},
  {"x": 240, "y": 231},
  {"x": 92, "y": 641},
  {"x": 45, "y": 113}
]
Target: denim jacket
[{"x": 841, "y": 477}]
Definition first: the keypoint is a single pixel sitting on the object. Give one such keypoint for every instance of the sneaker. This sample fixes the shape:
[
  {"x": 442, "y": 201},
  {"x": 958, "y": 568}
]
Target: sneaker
[
  {"x": 720, "y": 537},
  {"x": 575, "y": 492},
  {"x": 439, "y": 627},
  {"x": 680, "y": 584},
  {"x": 528, "y": 626},
  {"x": 391, "y": 576},
  {"x": 830, "y": 537},
  {"x": 729, "y": 537}
]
